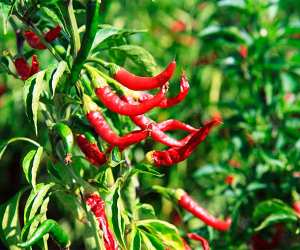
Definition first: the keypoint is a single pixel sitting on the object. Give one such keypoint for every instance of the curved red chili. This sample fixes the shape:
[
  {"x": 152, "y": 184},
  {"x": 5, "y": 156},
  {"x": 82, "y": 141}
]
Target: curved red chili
[
  {"x": 97, "y": 206},
  {"x": 91, "y": 150},
  {"x": 176, "y": 125},
  {"x": 24, "y": 70},
  {"x": 114, "y": 103},
  {"x": 102, "y": 128},
  {"x": 35, "y": 42},
  {"x": 185, "y": 201},
  {"x": 155, "y": 132},
  {"x": 170, "y": 102},
  {"x": 203, "y": 241},
  {"x": 175, "y": 155},
  {"x": 134, "y": 82}
]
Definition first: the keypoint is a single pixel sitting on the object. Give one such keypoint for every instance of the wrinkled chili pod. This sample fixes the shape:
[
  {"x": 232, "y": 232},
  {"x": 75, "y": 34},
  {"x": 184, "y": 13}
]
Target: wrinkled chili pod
[
  {"x": 135, "y": 82},
  {"x": 66, "y": 135},
  {"x": 97, "y": 206},
  {"x": 102, "y": 128},
  {"x": 88, "y": 145},
  {"x": 175, "y": 155},
  {"x": 170, "y": 102},
  {"x": 51, "y": 227}
]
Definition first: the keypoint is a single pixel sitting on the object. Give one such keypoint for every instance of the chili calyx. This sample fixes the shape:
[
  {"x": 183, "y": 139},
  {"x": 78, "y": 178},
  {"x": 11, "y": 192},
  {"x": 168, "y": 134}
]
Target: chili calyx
[
  {"x": 170, "y": 102},
  {"x": 35, "y": 42},
  {"x": 175, "y": 155},
  {"x": 97, "y": 206},
  {"x": 135, "y": 82}
]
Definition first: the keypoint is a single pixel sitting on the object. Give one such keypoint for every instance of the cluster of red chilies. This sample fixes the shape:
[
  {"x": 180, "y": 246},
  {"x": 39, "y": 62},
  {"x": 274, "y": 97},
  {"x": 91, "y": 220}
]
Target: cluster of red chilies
[
  {"x": 24, "y": 70},
  {"x": 135, "y": 106}
]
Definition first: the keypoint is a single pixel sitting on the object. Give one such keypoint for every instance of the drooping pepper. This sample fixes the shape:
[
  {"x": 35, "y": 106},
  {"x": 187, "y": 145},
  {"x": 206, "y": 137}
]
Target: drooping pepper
[
  {"x": 155, "y": 132},
  {"x": 114, "y": 103},
  {"x": 51, "y": 227},
  {"x": 66, "y": 135},
  {"x": 170, "y": 102},
  {"x": 102, "y": 128},
  {"x": 175, "y": 155},
  {"x": 24, "y": 70},
  {"x": 88, "y": 145},
  {"x": 35, "y": 42},
  {"x": 97, "y": 206},
  {"x": 186, "y": 202},
  {"x": 135, "y": 82}
]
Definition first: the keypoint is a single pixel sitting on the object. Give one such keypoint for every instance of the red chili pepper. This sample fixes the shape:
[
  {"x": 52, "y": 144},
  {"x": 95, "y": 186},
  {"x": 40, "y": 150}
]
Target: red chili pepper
[
  {"x": 155, "y": 132},
  {"x": 258, "y": 243},
  {"x": 176, "y": 125},
  {"x": 102, "y": 128},
  {"x": 35, "y": 67},
  {"x": 52, "y": 34},
  {"x": 178, "y": 26},
  {"x": 134, "y": 82},
  {"x": 35, "y": 42},
  {"x": 170, "y": 102},
  {"x": 296, "y": 207},
  {"x": 91, "y": 150},
  {"x": 175, "y": 155},
  {"x": 229, "y": 179},
  {"x": 186, "y": 246},
  {"x": 204, "y": 243},
  {"x": 97, "y": 206},
  {"x": 24, "y": 70},
  {"x": 2, "y": 89},
  {"x": 187, "y": 202},
  {"x": 113, "y": 102},
  {"x": 243, "y": 50}
]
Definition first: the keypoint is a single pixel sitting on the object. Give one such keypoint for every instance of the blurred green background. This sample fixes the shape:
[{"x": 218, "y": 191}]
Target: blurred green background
[{"x": 243, "y": 64}]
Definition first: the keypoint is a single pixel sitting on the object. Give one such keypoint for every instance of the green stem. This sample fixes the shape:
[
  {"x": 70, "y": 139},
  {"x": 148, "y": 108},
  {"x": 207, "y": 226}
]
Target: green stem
[{"x": 92, "y": 19}]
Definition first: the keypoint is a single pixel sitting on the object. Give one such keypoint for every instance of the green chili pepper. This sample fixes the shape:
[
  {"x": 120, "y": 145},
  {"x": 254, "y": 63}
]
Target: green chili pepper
[
  {"x": 65, "y": 133},
  {"x": 92, "y": 20},
  {"x": 51, "y": 227}
]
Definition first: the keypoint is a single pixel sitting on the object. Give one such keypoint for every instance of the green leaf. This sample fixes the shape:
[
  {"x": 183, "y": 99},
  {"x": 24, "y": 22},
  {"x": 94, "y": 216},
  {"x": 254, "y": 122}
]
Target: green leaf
[
  {"x": 239, "y": 4},
  {"x": 108, "y": 31},
  {"x": 4, "y": 145},
  {"x": 145, "y": 211},
  {"x": 165, "y": 231},
  {"x": 150, "y": 242},
  {"x": 115, "y": 158},
  {"x": 275, "y": 219},
  {"x": 32, "y": 92},
  {"x": 136, "y": 241},
  {"x": 35, "y": 200},
  {"x": 57, "y": 75},
  {"x": 146, "y": 169},
  {"x": 31, "y": 164},
  {"x": 10, "y": 230},
  {"x": 272, "y": 211},
  {"x": 118, "y": 221},
  {"x": 4, "y": 13},
  {"x": 139, "y": 56}
]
